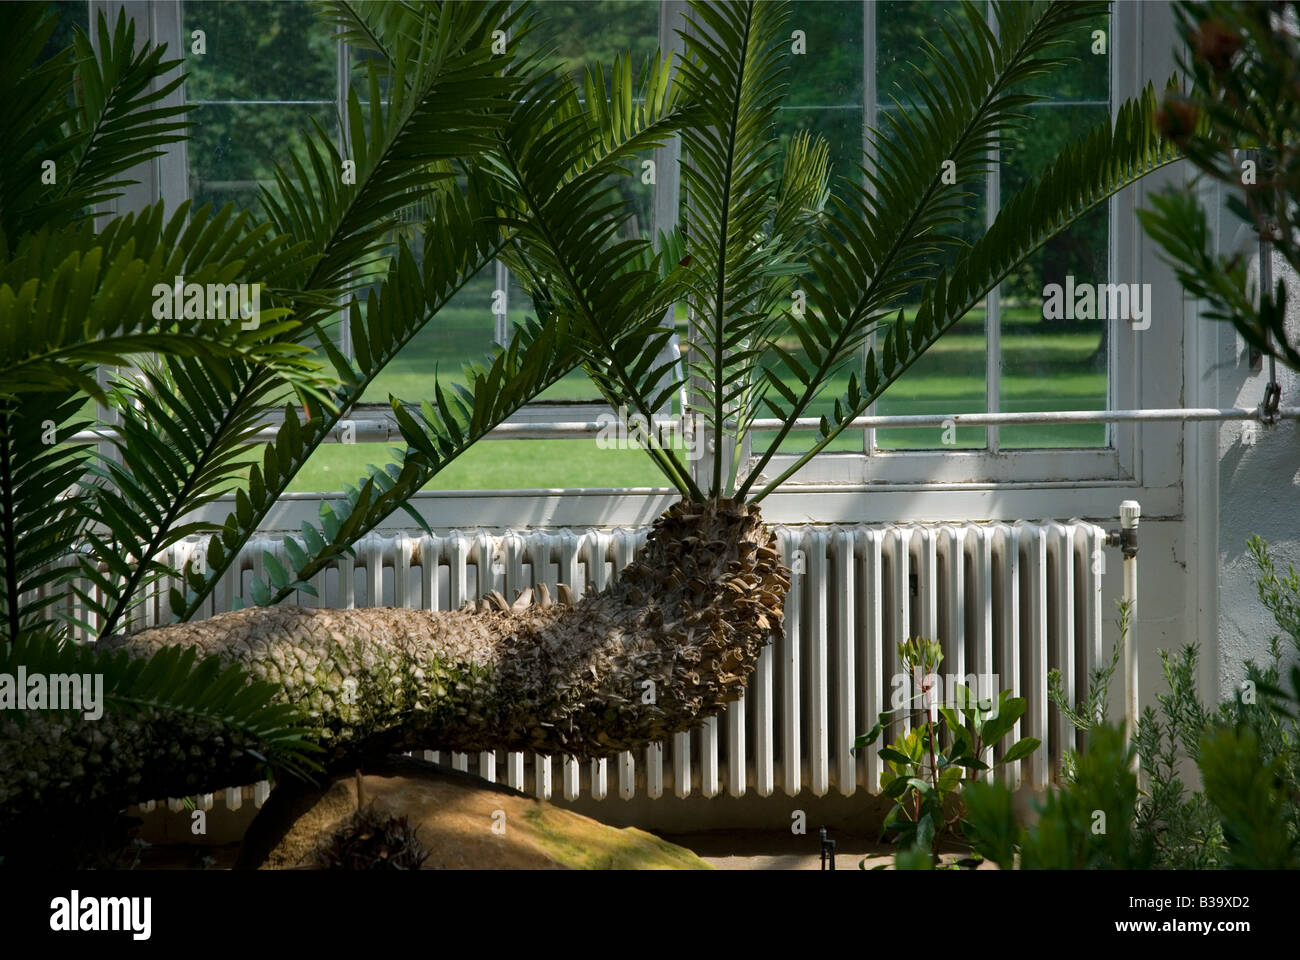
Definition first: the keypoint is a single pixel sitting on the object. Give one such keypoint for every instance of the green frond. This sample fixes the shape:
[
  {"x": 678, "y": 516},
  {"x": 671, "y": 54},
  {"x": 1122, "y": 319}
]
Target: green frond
[
  {"x": 116, "y": 120},
  {"x": 72, "y": 297},
  {"x": 375, "y": 26},
  {"x": 883, "y": 242},
  {"x": 459, "y": 241},
  {"x": 1084, "y": 175},
  {"x": 538, "y": 354},
  {"x": 443, "y": 98},
  {"x": 733, "y": 73},
  {"x": 39, "y": 467},
  {"x": 138, "y": 493},
  {"x": 565, "y": 220},
  {"x": 1179, "y": 223}
]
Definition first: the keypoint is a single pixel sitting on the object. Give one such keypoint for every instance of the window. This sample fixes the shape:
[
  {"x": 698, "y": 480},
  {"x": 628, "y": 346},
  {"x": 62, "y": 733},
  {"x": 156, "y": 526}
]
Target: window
[
  {"x": 72, "y": 14},
  {"x": 278, "y": 71},
  {"x": 1007, "y": 356}
]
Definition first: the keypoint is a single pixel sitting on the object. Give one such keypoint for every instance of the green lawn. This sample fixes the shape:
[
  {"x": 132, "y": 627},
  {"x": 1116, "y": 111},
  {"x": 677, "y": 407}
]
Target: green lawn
[{"x": 1044, "y": 368}]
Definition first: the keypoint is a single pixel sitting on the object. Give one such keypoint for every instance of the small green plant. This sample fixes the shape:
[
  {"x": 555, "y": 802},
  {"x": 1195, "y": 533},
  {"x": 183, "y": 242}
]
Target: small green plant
[
  {"x": 925, "y": 766},
  {"x": 1183, "y": 824},
  {"x": 1087, "y": 824},
  {"x": 1183, "y": 827},
  {"x": 1091, "y": 709},
  {"x": 1248, "y": 790}
]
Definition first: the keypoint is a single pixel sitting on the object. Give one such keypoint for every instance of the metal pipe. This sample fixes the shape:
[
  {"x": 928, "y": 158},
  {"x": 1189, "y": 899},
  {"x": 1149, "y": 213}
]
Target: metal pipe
[
  {"x": 385, "y": 431},
  {"x": 1129, "y": 513},
  {"x": 1047, "y": 416}
]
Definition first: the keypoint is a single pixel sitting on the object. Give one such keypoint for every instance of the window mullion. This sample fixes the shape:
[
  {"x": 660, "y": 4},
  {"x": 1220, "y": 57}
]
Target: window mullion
[
  {"x": 501, "y": 303},
  {"x": 993, "y": 302},
  {"x": 869, "y": 118},
  {"x": 343, "y": 73}
]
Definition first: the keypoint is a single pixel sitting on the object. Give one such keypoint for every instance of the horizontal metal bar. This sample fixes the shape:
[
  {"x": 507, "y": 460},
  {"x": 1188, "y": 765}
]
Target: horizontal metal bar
[
  {"x": 385, "y": 431},
  {"x": 1044, "y": 416}
]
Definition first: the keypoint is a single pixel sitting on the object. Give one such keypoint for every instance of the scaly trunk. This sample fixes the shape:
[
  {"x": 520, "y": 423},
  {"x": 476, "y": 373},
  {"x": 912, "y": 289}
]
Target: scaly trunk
[{"x": 669, "y": 644}]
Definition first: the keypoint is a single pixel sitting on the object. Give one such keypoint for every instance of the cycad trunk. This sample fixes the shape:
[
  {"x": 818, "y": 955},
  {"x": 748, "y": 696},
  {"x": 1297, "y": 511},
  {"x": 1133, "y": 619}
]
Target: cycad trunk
[{"x": 668, "y": 644}]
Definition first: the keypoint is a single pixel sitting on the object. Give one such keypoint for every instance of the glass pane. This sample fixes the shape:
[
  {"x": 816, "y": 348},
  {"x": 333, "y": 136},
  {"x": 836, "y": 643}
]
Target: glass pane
[
  {"x": 1054, "y": 307},
  {"x": 902, "y": 29},
  {"x": 464, "y": 330},
  {"x": 460, "y": 332},
  {"x": 825, "y": 82},
  {"x": 951, "y": 377},
  {"x": 583, "y": 34},
  {"x": 1087, "y": 77},
  {"x": 824, "y": 97},
  {"x": 277, "y": 50},
  {"x": 267, "y": 71},
  {"x": 72, "y": 14},
  {"x": 233, "y": 148}
]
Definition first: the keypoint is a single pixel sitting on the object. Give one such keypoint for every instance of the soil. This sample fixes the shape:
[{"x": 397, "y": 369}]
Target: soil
[{"x": 455, "y": 815}]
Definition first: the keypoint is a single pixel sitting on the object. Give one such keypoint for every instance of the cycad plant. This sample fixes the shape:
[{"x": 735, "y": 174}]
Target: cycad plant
[
  {"x": 86, "y": 534},
  {"x": 510, "y": 161}
]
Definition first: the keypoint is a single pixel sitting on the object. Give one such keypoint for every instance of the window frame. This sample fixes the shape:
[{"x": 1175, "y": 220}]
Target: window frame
[
  {"x": 1118, "y": 459},
  {"x": 1146, "y": 456}
]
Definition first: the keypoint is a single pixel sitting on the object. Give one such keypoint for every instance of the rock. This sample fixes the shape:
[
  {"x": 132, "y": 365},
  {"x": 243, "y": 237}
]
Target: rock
[{"x": 454, "y": 815}]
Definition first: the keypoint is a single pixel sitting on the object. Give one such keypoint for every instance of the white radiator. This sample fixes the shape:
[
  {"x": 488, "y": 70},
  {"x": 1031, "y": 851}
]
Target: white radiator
[{"x": 1011, "y": 600}]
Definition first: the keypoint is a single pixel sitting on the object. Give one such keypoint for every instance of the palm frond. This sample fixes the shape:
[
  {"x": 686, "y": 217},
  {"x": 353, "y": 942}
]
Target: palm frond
[
  {"x": 734, "y": 74},
  {"x": 73, "y": 297},
  {"x": 442, "y": 100},
  {"x": 459, "y": 241},
  {"x": 438, "y": 100},
  {"x": 1084, "y": 175},
  {"x": 140, "y": 491},
  {"x": 39, "y": 468},
  {"x": 35, "y": 114},
  {"x": 375, "y": 26},
  {"x": 538, "y": 354},
  {"x": 565, "y": 220},
  {"x": 1180, "y": 225},
  {"x": 117, "y": 121}
]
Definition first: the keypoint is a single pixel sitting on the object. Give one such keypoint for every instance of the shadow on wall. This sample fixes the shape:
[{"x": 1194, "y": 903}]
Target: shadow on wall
[{"x": 1259, "y": 483}]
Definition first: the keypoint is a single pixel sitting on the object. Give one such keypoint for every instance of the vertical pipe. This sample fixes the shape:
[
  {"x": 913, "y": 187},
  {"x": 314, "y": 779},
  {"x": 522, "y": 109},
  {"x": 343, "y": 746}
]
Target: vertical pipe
[
  {"x": 1129, "y": 512},
  {"x": 796, "y": 559}
]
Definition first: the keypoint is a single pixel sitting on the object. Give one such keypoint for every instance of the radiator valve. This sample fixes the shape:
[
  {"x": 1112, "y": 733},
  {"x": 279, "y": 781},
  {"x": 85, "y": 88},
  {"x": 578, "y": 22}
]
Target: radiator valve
[{"x": 1126, "y": 537}]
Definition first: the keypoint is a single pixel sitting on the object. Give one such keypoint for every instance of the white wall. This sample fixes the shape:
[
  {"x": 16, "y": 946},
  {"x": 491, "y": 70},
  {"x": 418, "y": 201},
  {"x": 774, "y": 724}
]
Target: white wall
[{"x": 1257, "y": 482}]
